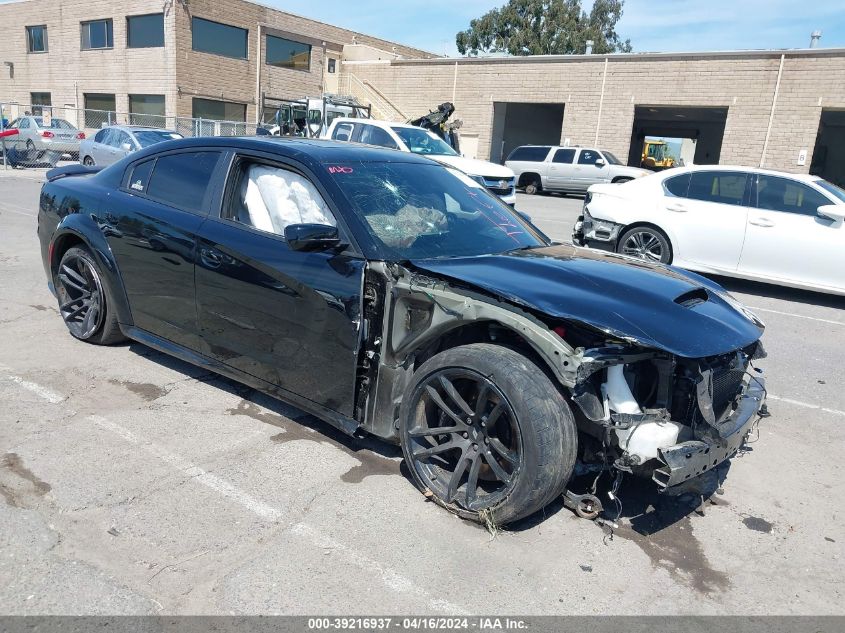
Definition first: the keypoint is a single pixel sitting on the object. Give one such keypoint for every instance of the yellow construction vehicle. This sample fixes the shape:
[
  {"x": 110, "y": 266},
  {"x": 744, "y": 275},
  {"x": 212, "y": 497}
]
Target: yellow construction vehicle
[{"x": 656, "y": 156}]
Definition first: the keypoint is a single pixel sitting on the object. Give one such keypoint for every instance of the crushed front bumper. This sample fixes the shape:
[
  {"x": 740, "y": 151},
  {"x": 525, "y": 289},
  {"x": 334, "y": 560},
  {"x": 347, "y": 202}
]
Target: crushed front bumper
[
  {"x": 595, "y": 234},
  {"x": 691, "y": 459}
]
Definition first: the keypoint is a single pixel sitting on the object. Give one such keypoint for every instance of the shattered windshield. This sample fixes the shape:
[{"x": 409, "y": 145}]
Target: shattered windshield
[
  {"x": 420, "y": 211},
  {"x": 421, "y": 141}
]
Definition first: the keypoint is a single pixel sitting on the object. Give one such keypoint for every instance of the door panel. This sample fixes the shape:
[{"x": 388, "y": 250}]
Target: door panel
[
  {"x": 586, "y": 171},
  {"x": 287, "y": 317},
  {"x": 786, "y": 239},
  {"x": 708, "y": 224},
  {"x": 561, "y": 171}
]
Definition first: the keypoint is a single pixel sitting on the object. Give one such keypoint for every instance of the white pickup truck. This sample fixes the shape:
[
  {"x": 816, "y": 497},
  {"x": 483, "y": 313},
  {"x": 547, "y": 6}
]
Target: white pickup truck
[
  {"x": 567, "y": 169},
  {"x": 497, "y": 179}
]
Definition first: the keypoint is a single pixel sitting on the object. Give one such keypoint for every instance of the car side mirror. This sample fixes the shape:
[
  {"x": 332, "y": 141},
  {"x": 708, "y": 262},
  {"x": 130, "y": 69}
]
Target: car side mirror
[
  {"x": 834, "y": 212},
  {"x": 126, "y": 147},
  {"x": 600, "y": 162},
  {"x": 312, "y": 237}
]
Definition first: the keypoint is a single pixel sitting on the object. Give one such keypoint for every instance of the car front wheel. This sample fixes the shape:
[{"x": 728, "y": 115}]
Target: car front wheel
[
  {"x": 88, "y": 161},
  {"x": 646, "y": 243},
  {"x": 486, "y": 433}
]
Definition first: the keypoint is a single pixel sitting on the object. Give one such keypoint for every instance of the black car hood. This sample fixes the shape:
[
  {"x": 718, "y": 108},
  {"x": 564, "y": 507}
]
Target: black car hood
[{"x": 653, "y": 305}]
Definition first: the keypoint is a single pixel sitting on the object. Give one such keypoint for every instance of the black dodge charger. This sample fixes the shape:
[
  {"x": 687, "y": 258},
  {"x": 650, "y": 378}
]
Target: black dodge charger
[{"x": 390, "y": 295}]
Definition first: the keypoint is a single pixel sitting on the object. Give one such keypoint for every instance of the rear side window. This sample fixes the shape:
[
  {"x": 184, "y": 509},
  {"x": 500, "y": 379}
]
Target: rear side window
[
  {"x": 99, "y": 136},
  {"x": 718, "y": 186},
  {"x": 530, "y": 153},
  {"x": 789, "y": 196},
  {"x": 342, "y": 132},
  {"x": 181, "y": 180},
  {"x": 678, "y": 185},
  {"x": 372, "y": 135},
  {"x": 141, "y": 176},
  {"x": 564, "y": 156}
]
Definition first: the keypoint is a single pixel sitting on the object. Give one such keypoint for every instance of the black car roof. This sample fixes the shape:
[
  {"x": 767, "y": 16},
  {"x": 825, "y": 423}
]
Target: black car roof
[{"x": 318, "y": 150}]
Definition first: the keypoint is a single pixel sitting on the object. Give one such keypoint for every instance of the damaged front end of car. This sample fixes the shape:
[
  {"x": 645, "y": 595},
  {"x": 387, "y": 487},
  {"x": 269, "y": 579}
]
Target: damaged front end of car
[{"x": 652, "y": 410}]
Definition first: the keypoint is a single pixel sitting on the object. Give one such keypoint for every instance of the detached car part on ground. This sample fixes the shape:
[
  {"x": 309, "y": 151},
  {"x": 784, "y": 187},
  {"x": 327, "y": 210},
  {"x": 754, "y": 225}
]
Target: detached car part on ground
[{"x": 393, "y": 296}]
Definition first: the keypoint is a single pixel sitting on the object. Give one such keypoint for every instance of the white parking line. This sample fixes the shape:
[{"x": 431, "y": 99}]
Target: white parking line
[
  {"x": 391, "y": 578},
  {"x": 43, "y": 392},
  {"x": 806, "y": 405},
  {"x": 799, "y": 316}
]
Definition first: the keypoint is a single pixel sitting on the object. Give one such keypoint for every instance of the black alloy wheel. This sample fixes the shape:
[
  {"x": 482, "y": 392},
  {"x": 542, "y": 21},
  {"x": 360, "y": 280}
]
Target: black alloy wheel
[
  {"x": 83, "y": 300},
  {"x": 466, "y": 443}
]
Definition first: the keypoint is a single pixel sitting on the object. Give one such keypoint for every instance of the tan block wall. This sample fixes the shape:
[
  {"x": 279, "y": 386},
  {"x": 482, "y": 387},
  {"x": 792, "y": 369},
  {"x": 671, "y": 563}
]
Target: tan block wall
[
  {"x": 67, "y": 72},
  {"x": 745, "y": 84}
]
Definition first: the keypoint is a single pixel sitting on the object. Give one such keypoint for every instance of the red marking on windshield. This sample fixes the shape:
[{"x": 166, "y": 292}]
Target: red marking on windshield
[{"x": 339, "y": 169}]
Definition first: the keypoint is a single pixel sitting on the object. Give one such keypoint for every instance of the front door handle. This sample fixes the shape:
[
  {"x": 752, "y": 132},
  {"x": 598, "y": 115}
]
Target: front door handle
[
  {"x": 210, "y": 257},
  {"x": 764, "y": 222}
]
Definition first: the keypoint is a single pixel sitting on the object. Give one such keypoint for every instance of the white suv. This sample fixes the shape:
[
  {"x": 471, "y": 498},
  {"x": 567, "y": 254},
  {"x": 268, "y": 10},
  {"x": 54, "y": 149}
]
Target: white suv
[
  {"x": 567, "y": 169},
  {"x": 497, "y": 179}
]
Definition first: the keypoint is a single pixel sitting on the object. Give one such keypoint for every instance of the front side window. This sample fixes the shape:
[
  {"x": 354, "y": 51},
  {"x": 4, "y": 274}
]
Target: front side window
[
  {"x": 219, "y": 39},
  {"x": 588, "y": 157},
  {"x": 97, "y": 34},
  {"x": 145, "y": 31},
  {"x": 426, "y": 211},
  {"x": 421, "y": 141},
  {"x": 611, "y": 158},
  {"x": 373, "y": 135},
  {"x": 120, "y": 138},
  {"x": 181, "y": 180},
  {"x": 724, "y": 187},
  {"x": 788, "y": 196},
  {"x": 270, "y": 198},
  {"x": 530, "y": 153},
  {"x": 36, "y": 39},
  {"x": 565, "y": 156},
  {"x": 284, "y": 53}
]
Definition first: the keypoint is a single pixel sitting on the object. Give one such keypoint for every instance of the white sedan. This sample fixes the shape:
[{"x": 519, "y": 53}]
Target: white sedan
[{"x": 736, "y": 221}]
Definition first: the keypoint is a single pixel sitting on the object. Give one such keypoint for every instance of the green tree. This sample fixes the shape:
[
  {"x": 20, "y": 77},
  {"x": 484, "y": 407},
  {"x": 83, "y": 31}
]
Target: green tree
[{"x": 545, "y": 27}]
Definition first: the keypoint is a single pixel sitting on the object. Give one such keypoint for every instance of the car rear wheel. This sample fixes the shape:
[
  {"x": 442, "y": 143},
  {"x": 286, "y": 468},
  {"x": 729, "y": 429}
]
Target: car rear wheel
[
  {"x": 84, "y": 303},
  {"x": 486, "y": 434},
  {"x": 646, "y": 243},
  {"x": 88, "y": 161}
]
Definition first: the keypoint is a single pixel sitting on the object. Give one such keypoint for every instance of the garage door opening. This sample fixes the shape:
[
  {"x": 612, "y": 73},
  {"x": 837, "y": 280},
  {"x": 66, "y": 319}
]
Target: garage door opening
[
  {"x": 516, "y": 124},
  {"x": 829, "y": 154},
  {"x": 704, "y": 127}
]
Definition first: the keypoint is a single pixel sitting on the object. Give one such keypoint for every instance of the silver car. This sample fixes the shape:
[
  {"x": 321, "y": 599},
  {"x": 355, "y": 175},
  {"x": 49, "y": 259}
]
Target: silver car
[
  {"x": 40, "y": 134},
  {"x": 110, "y": 144}
]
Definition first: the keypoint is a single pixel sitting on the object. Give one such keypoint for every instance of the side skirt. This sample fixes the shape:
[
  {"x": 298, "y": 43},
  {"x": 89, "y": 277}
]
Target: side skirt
[{"x": 347, "y": 425}]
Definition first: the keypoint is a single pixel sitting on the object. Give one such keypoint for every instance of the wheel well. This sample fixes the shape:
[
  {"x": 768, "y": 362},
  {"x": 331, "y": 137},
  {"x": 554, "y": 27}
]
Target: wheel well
[
  {"x": 483, "y": 332},
  {"x": 62, "y": 244},
  {"x": 635, "y": 225},
  {"x": 528, "y": 177},
  {"x": 621, "y": 179}
]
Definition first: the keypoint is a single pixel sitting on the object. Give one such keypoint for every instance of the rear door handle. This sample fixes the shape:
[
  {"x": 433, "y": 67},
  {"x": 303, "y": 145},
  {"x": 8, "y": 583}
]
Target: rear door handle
[
  {"x": 677, "y": 208},
  {"x": 764, "y": 222}
]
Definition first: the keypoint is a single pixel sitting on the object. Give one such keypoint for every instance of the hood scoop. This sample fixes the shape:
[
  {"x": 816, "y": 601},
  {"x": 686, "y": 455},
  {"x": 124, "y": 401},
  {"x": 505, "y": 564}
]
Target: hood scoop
[{"x": 694, "y": 297}]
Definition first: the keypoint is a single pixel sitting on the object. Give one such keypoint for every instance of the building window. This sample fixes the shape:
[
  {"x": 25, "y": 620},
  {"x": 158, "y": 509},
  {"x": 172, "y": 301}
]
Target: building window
[
  {"x": 145, "y": 31},
  {"x": 147, "y": 110},
  {"x": 38, "y": 101},
  {"x": 219, "y": 39},
  {"x": 36, "y": 39},
  {"x": 288, "y": 54},
  {"x": 218, "y": 110},
  {"x": 99, "y": 109},
  {"x": 97, "y": 34},
  {"x": 332, "y": 64}
]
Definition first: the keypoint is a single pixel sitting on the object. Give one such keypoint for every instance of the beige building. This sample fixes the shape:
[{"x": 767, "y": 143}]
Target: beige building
[
  {"x": 780, "y": 109},
  {"x": 219, "y": 59},
  {"x": 206, "y": 58}
]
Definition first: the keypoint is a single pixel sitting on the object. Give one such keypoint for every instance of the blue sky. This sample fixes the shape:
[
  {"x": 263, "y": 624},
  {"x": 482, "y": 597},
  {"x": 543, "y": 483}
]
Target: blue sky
[{"x": 652, "y": 25}]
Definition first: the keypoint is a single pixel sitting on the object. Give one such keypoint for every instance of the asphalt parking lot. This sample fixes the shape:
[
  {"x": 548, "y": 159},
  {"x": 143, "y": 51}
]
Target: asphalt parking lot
[{"x": 133, "y": 483}]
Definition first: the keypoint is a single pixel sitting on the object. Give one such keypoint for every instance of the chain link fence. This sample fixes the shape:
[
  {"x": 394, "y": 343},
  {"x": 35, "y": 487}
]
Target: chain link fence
[{"x": 33, "y": 135}]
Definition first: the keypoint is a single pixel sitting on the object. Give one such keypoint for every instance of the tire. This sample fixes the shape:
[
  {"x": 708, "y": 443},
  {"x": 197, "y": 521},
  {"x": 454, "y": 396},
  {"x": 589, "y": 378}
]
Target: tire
[
  {"x": 533, "y": 187},
  {"x": 85, "y": 304},
  {"x": 647, "y": 243},
  {"x": 88, "y": 161},
  {"x": 520, "y": 443}
]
